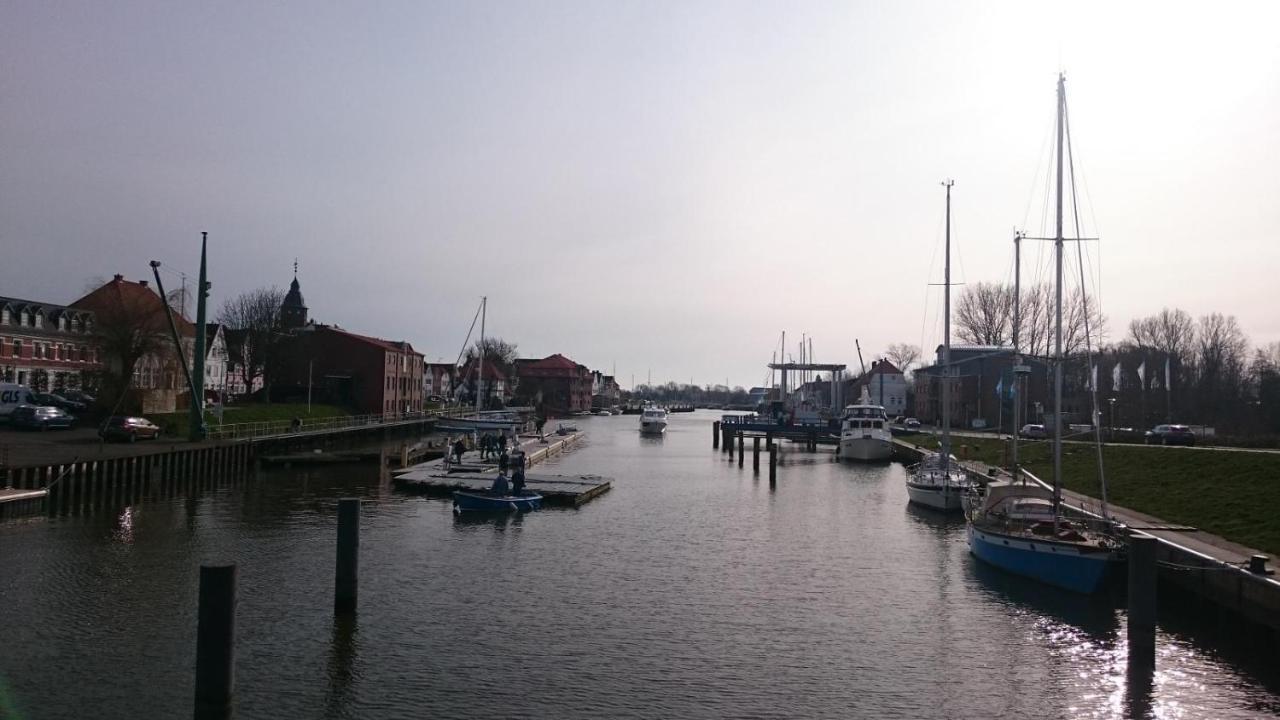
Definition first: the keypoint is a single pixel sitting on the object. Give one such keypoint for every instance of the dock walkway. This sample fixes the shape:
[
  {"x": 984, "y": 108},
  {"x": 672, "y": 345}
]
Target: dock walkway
[{"x": 432, "y": 478}]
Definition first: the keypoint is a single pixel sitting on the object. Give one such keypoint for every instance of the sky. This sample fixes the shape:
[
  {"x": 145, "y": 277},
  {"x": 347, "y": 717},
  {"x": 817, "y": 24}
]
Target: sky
[{"x": 656, "y": 187}]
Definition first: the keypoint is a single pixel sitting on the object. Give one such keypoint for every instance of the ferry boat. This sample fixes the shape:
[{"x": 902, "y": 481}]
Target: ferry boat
[
  {"x": 653, "y": 421},
  {"x": 865, "y": 433}
]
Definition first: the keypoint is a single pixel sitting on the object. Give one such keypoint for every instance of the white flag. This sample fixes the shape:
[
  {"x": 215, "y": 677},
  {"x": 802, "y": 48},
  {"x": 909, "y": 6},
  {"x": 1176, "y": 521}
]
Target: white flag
[
  {"x": 1167, "y": 384},
  {"x": 1142, "y": 374},
  {"x": 1093, "y": 379},
  {"x": 1115, "y": 377}
]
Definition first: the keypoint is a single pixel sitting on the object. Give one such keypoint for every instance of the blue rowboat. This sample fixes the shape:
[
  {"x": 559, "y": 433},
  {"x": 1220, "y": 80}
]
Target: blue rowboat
[{"x": 470, "y": 501}]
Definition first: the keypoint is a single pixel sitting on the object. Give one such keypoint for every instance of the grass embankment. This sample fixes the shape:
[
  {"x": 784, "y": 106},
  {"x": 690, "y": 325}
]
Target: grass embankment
[
  {"x": 176, "y": 424},
  {"x": 1235, "y": 495}
]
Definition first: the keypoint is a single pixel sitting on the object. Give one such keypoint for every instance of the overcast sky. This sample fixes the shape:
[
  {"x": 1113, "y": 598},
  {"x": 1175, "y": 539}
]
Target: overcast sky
[{"x": 660, "y": 186}]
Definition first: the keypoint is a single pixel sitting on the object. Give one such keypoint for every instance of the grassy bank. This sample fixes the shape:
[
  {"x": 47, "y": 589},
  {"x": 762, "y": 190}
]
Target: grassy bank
[
  {"x": 1231, "y": 494},
  {"x": 176, "y": 424}
]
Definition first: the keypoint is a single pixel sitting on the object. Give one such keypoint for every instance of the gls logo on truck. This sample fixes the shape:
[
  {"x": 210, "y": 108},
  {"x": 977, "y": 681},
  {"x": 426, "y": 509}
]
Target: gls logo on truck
[{"x": 11, "y": 396}]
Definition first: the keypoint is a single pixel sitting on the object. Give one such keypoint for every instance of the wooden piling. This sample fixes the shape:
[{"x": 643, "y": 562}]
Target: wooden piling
[
  {"x": 768, "y": 441},
  {"x": 755, "y": 455},
  {"x": 741, "y": 454},
  {"x": 1142, "y": 601},
  {"x": 773, "y": 466},
  {"x": 215, "y": 640},
  {"x": 715, "y": 435},
  {"x": 346, "y": 572}
]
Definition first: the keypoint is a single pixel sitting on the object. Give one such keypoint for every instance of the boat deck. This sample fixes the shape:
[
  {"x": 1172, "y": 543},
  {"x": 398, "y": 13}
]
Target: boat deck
[{"x": 431, "y": 478}]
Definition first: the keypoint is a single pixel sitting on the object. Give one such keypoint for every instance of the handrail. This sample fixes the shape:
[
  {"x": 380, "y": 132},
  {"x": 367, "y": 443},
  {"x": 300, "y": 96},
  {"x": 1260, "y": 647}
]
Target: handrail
[{"x": 267, "y": 428}]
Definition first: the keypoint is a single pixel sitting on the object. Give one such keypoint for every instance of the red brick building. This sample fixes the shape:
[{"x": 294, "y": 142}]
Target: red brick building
[
  {"x": 44, "y": 346},
  {"x": 554, "y": 384},
  {"x": 369, "y": 375}
]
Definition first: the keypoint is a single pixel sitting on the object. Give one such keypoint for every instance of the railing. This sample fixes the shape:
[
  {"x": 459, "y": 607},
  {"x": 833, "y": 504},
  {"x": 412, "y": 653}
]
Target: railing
[{"x": 269, "y": 428}]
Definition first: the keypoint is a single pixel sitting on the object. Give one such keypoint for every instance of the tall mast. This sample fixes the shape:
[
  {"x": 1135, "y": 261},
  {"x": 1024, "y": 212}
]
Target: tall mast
[
  {"x": 1057, "y": 365},
  {"x": 1017, "y": 348},
  {"x": 484, "y": 301},
  {"x": 946, "y": 343}
]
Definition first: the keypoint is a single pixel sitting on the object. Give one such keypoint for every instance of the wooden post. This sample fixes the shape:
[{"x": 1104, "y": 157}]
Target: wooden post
[
  {"x": 715, "y": 435},
  {"x": 755, "y": 454},
  {"x": 768, "y": 441},
  {"x": 215, "y": 640},
  {"x": 1142, "y": 601},
  {"x": 346, "y": 573},
  {"x": 773, "y": 466},
  {"x": 741, "y": 454}
]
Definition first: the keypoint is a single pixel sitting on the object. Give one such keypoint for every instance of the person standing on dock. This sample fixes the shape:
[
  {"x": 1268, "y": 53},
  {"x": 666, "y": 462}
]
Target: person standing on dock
[
  {"x": 458, "y": 448},
  {"x": 517, "y": 471},
  {"x": 504, "y": 461}
]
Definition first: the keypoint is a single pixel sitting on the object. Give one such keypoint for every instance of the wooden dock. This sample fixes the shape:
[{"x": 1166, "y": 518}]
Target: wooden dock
[{"x": 432, "y": 478}]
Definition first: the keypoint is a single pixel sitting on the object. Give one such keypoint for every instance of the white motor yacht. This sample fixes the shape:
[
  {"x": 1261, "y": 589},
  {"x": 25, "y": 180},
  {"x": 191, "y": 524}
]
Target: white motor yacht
[
  {"x": 653, "y": 421},
  {"x": 864, "y": 433}
]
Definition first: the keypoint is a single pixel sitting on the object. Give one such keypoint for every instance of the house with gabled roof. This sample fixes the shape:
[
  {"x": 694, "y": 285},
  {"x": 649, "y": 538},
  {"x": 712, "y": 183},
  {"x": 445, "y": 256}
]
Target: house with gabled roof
[
  {"x": 367, "y": 374},
  {"x": 554, "y": 384}
]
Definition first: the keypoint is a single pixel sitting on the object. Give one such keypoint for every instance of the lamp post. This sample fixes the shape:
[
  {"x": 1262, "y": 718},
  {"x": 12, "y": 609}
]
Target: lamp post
[{"x": 1112, "y": 403}]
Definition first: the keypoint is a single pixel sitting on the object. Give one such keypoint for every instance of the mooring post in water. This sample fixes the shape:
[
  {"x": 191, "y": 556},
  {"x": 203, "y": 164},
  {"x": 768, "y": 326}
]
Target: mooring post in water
[
  {"x": 1142, "y": 601},
  {"x": 768, "y": 441},
  {"x": 741, "y": 443},
  {"x": 715, "y": 435},
  {"x": 773, "y": 465},
  {"x": 346, "y": 574},
  {"x": 755, "y": 454},
  {"x": 215, "y": 640}
]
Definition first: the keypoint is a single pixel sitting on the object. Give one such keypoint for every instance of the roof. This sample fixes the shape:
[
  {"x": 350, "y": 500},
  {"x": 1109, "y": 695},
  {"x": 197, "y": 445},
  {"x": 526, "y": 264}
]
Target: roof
[
  {"x": 551, "y": 362},
  {"x": 491, "y": 371},
  {"x": 293, "y": 299},
  {"x": 399, "y": 346},
  {"x": 122, "y": 299}
]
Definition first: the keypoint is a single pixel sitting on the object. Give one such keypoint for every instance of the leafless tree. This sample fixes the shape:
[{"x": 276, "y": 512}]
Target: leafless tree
[
  {"x": 257, "y": 312},
  {"x": 903, "y": 356},
  {"x": 128, "y": 326},
  {"x": 983, "y": 313}
]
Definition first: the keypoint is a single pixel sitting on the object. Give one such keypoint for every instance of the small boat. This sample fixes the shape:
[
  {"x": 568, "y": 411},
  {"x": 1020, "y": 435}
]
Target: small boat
[
  {"x": 566, "y": 428},
  {"x": 864, "y": 432},
  {"x": 488, "y": 420},
  {"x": 653, "y": 421},
  {"x": 479, "y": 501},
  {"x": 603, "y": 413},
  {"x": 615, "y": 410}
]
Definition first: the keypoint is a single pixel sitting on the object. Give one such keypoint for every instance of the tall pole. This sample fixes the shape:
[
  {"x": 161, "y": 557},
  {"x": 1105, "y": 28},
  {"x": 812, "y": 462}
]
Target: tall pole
[
  {"x": 1017, "y": 348},
  {"x": 1057, "y": 342},
  {"x": 946, "y": 342},
  {"x": 310, "y": 365},
  {"x": 198, "y": 429},
  {"x": 484, "y": 301}
]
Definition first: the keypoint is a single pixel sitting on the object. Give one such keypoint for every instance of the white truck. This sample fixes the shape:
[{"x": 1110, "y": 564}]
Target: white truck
[{"x": 11, "y": 396}]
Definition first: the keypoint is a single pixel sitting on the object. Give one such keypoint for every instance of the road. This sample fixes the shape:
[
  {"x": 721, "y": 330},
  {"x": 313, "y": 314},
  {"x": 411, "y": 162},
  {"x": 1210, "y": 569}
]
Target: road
[{"x": 927, "y": 430}]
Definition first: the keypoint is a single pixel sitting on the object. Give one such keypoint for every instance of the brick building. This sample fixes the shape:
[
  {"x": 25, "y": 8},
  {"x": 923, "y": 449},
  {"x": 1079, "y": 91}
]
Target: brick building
[
  {"x": 46, "y": 347},
  {"x": 981, "y": 382},
  {"x": 368, "y": 374},
  {"x": 554, "y": 384}
]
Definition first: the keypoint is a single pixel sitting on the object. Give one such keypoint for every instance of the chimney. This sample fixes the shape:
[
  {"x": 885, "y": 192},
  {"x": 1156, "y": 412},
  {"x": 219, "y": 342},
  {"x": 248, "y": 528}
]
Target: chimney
[
  {"x": 118, "y": 277},
  {"x": 143, "y": 283}
]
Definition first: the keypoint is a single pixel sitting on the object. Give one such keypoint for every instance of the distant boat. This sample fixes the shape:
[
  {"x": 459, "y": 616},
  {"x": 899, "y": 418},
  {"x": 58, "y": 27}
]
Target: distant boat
[
  {"x": 478, "y": 501},
  {"x": 653, "y": 421},
  {"x": 566, "y": 428},
  {"x": 939, "y": 481},
  {"x": 1020, "y": 526},
  {"x": 492, "y": 420},
  {"x": 602, "y": 413},
  {"x": 864, "y": 432}
]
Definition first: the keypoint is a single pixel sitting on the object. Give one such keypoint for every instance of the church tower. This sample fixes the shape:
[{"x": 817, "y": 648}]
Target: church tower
[{"x": 293, "y": 311}]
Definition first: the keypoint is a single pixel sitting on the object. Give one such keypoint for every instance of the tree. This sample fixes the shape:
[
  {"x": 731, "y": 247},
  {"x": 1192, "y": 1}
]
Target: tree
[
  {"x": 983, "y": 314},
  {"x": 1265, "y": 373},
  {"x": 497, "y": 352},
  {"x": 129, "y": 324},
  {"x": 1221, "y": 349},
  {"x": 256, "y": 312},
  {"x": 903, "y": 355}
]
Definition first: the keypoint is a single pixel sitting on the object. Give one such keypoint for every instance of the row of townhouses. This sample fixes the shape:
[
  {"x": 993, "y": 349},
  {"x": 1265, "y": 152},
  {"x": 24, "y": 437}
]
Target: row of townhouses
[{"x": 52, "y": 347}]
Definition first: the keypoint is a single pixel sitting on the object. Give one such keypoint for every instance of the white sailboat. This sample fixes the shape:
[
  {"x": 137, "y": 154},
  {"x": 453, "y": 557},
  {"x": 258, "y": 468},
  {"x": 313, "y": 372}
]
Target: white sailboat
[
  {"x": 939, "y": 481},
  {"x": 1020, "y": 526},
  {"x": 864, "y": 431},
  {"x": 480, "y": 420}
]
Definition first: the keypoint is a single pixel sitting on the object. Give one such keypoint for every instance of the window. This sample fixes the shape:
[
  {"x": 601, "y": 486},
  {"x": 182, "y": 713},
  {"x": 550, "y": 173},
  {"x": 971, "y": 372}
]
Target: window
[
  {"x": 4, "y": 316},
  {"x": 17, "y": 350},
  {"x": 39, "y": 320}
]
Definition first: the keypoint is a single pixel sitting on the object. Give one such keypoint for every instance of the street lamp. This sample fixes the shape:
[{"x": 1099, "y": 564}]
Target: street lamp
[{"x": 1112, "y": 403}]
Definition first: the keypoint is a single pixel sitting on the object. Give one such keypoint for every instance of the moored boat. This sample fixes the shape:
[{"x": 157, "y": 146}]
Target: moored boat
[
  {"x": 479, "y": 501},
  {"x": 865, "y": 433}
]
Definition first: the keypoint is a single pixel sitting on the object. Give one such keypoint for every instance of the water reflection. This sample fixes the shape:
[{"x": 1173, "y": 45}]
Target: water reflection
[
  {"x": 343, "y": 650},
  {"x": 474, "y": 521}
]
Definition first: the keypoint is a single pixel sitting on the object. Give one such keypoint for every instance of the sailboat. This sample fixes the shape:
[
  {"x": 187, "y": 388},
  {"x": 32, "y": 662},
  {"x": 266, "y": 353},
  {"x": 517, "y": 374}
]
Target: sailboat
[
  {"x": 939, "y": 481},
  {"x": 1020, "y": 526},
  {"x": 497, "y": 421}
]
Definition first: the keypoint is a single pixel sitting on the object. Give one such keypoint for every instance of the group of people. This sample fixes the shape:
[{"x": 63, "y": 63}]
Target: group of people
[{"x": 494, "y": 446}]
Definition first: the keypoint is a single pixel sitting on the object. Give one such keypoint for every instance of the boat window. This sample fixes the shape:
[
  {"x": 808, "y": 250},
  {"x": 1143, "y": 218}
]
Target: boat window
[{"x": 879, "y": 424}]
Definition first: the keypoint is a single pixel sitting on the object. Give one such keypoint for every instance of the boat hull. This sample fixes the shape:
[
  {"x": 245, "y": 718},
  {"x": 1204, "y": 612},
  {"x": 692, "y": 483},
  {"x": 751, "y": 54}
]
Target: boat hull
[
  {"x": 483, "y": 502},
  {"x": 653, "y": 427},
  {"x": 1065, "y": 565},
  {"x": 866, "y": 449},
  {"x": 943, "y": 498},
  {"x": 472, "y": 424}
]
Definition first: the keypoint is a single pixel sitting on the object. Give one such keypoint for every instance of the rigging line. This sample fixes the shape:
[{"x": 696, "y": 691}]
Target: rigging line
[
  {"x": 468, "y": 340},
  {"x": 1031, "y": 192},
  {"x": 1096, "y": 416}
]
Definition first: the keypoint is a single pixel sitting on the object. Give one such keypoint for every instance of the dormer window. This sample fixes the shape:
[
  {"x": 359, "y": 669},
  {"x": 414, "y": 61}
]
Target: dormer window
[
  {"x": 62, "y": 322},
  {"x": 39, "y": 320},
  {"x": 4, "y": 316}
]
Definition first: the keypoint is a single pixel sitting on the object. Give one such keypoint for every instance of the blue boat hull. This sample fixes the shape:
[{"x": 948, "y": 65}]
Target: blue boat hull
[
  {"x": 1064, "y": 565},
  {"x": 484, "y": 502}
]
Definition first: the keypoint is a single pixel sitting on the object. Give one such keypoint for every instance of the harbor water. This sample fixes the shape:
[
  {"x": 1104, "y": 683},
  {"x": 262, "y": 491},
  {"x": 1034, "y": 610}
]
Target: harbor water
[{"x": 690, "y": 590}]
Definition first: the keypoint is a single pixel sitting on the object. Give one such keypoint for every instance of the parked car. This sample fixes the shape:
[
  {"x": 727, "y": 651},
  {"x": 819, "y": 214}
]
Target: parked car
[
  {"x": 1170, "y": 435},
  {"x": 79, "y": 396},
  {"x": 128, "y": 428},
  {"x": 1033, "y": 430},
  {"x": 911, "y": 424},
  {"x": 40, "y": 417},
  {"x": 59, "y": 401}
]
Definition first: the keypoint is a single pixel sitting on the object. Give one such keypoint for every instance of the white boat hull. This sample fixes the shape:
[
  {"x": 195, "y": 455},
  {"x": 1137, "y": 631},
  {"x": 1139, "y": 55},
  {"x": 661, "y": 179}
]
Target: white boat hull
[
  {"x": 866, "y": 448},
  {"x": 945, "y": 498},
  {"x": 653, "y": 427}
]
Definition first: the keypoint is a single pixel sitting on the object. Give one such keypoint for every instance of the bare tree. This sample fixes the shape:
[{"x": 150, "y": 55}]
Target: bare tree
[
  {"x": 1221, "y": 349},
  {"x": 128, "y": 326},
  {"x": 983, "y": 312},
  {"x": 903, "y": 355},
  {"x": 257, "y": 312}
]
